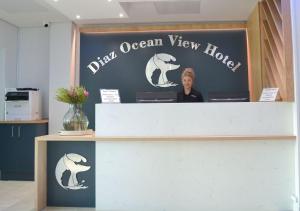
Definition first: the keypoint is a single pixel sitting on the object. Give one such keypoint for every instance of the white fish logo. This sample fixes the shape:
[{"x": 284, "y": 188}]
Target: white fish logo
[
  {"x": 161, "y": 61},
  {"x": 68, "y": 163}
]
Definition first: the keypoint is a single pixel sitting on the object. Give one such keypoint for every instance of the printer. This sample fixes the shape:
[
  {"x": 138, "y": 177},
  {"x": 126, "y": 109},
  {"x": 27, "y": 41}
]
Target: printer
[{"x": 22, "y": 104}]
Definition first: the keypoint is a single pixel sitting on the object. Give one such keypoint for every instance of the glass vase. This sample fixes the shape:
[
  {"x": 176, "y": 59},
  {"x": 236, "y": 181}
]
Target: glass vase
[{"x": 75, "y": 119}]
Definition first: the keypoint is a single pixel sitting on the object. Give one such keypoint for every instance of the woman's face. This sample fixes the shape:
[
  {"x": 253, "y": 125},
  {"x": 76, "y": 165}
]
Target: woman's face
[{"x": 187, "y": 82}]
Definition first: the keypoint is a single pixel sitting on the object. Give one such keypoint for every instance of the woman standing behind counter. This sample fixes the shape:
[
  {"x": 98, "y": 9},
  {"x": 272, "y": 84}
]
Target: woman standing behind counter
[{"x": 188, "y": 94}]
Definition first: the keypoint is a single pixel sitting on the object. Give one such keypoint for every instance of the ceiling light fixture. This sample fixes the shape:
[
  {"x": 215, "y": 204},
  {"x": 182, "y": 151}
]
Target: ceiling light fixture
[
  {"x": 55, "y": 0},
  {"x": 109, "y": 0},
  {"x": 121, "y": 15},
  {"x": 77, "y": 16}
]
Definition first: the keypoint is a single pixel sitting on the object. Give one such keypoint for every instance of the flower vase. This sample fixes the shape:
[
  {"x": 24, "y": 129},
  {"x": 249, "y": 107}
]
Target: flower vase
[{"x": 75, "y": 119}]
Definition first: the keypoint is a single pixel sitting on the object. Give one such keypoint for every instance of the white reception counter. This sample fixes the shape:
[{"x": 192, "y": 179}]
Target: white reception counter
[
  {"x": 185, "y": 174},
  {"x": 194, "y": 119},
  {"x": 174, "y": 157}
]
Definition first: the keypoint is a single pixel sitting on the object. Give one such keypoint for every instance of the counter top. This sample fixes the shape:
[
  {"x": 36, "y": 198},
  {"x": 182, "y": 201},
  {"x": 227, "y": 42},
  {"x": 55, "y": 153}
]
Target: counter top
[
  {"x": 195, "y": 119},
  {"x": 24, "y": 121},
  {"x": 57, "y": 137}
]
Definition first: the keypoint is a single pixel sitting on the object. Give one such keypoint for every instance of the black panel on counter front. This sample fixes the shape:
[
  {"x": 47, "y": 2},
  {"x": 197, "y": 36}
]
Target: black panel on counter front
[{"x": 71, "y": 174}]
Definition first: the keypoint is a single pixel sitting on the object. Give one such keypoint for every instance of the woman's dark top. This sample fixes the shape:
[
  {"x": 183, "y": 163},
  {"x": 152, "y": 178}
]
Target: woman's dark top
[{"x": 194, "y": 96}]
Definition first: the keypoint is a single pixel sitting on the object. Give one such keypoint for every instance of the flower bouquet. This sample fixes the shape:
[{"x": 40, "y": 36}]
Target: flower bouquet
[{"x": 74, "y": 119}]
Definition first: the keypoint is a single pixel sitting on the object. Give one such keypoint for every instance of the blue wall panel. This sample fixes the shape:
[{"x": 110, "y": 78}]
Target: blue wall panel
[{"x": 125, "y": 62}]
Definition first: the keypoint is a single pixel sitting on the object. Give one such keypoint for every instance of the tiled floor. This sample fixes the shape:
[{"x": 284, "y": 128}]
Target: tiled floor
[
  {"x": 19, "y": 196},
  {"x": 16, "y": 196}
]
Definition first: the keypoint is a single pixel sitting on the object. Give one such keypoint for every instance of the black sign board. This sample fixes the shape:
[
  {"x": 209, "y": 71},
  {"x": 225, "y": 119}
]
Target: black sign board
[{"x": 153, "y": 62}]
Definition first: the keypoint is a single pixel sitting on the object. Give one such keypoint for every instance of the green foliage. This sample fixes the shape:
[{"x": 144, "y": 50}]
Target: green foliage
[{"x": 74, "y": 95}]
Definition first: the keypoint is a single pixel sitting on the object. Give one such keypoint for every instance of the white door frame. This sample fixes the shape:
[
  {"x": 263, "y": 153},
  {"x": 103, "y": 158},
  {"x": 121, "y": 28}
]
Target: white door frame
[
  {"x": 2, "y": 82},
  {"x": 295, "y": 9}
]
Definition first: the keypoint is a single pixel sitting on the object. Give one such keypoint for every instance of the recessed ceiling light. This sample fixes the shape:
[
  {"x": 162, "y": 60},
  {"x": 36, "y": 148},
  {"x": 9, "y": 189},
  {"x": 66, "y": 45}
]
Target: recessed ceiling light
[
  {"x": 121, "y": 15},
  {"x": 109, "y": 0},
  {"x": 55, "y": 0},
  {"x": 77, "y": 16}
]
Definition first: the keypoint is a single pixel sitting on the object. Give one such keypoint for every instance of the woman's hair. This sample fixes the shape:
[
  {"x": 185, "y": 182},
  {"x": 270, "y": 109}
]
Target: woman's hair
[{"x": 188, "y": 72}]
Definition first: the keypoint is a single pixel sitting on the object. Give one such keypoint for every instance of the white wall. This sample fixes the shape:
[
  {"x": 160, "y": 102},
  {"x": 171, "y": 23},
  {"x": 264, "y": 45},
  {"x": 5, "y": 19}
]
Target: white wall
[
  {"x": 8, "y": 44},
  {"x": 38, "y": 57},
  {"x": 33, "y": 62},
  {"x": 59, "y": 69},
  {"x": 296, "y": 43}
]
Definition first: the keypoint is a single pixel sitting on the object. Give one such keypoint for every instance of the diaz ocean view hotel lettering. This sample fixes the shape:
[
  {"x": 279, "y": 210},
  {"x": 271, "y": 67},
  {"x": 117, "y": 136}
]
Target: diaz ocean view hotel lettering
[{"x": 175, "y": 41}]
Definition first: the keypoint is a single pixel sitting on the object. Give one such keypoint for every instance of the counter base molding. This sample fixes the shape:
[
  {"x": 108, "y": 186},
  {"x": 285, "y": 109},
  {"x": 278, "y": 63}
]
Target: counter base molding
[{"x": 172, "y": 175}]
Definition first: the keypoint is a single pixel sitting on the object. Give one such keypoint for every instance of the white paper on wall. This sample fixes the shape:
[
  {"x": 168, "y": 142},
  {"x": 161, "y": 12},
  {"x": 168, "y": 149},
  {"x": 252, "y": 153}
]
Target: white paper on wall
[
  {"x": 269, "y": 95},
  {"x": 110, "y": 96}
]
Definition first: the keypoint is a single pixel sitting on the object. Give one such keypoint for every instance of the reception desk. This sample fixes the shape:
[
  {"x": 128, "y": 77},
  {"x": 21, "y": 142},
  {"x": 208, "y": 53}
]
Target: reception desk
[
  {"x": 227, "y": 156},
  {"x": 194, "y": 119}
]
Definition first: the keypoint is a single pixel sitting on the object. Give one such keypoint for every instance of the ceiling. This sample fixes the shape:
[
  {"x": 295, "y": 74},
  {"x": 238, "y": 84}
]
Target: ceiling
[{"x": 30, "y": 13}]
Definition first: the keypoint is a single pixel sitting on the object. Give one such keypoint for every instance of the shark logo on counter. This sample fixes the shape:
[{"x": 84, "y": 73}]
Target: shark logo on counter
[
  {"x": 161, "y": 62},
  {"x": 70, "y": 162}
]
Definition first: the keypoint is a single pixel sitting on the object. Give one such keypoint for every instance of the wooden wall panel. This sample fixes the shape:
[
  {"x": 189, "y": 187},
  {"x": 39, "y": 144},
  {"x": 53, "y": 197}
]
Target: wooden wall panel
[
  {"x": 276, "y": 47},
  {"x": 255, "y": 65},
  {"x": 171, "y": 27}
]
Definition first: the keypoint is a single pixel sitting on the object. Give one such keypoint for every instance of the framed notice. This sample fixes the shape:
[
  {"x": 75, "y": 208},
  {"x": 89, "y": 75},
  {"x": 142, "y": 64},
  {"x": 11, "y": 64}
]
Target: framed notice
[
  {"x": 269, "y": 95},
  {"x": 110, "y": 96}
]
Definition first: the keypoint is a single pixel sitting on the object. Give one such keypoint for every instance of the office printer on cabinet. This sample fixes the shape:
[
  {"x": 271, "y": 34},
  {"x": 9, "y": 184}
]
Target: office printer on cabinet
[{"x": 22, "y": 104}]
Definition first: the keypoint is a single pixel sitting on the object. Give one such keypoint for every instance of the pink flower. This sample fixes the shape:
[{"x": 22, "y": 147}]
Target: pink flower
[
  {"x": 86, "y": 93},
  {"x": 71, "y": 92}
]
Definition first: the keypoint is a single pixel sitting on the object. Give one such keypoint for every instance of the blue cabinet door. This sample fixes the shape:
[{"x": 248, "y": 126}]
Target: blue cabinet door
[
  {"x": 17, "y": 150},
  {"x": 8, "y": 162},
  {"x": 4, "y": 147},
  {"x": 25, "y": 151}
]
